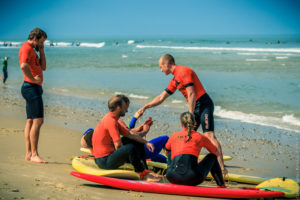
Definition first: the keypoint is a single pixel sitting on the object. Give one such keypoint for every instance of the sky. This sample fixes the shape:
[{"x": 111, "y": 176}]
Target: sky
[{"x": 148, "y": 18}]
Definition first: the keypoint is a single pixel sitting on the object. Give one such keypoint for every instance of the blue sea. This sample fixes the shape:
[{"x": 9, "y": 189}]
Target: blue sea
[{"x": 250, "y": 79}]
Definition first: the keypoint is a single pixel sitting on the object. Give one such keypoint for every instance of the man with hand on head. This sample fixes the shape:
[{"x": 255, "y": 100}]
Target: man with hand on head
[
  {"x": 200, "y": 104},
  {"x": 32, "y": 67}
]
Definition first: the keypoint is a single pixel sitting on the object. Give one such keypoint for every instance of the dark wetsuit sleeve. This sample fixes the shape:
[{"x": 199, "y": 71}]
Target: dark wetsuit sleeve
[
  {"x": 168, "y": 91},
  {"x": 189, "y": 84}
]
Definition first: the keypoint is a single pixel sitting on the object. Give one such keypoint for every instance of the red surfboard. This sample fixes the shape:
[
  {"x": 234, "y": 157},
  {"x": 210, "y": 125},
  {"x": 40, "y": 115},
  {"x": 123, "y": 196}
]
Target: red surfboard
[{"x": 165, "y": 188}]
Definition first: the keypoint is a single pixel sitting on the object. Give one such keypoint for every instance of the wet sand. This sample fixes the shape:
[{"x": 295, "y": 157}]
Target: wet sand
[{"x": 256, "y": 150}]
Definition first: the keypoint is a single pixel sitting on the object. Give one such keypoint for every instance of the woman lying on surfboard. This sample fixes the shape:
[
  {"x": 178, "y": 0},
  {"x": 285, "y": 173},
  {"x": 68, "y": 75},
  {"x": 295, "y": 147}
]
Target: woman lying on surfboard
[
  {"x": 183, "y": 149},
  {"x": 159, "y": 142}
]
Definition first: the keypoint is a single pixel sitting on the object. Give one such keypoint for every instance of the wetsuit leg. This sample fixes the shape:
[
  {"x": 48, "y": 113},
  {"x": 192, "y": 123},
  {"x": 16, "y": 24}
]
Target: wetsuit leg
[
  {"x": 211, "y": 164},
  {"x": 5, "y": 75},
  {"x": 139, "y": 150},
  {"x": 203, "y": 113},
  {"x": 115, "y": 159},
  {"x": 119, "y": 157},
  {"x": 159, "y": 143}
]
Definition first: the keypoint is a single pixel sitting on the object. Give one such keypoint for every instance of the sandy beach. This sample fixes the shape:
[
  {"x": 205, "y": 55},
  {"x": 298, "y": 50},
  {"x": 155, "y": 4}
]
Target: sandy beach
[{"x": 256, "y": 150}]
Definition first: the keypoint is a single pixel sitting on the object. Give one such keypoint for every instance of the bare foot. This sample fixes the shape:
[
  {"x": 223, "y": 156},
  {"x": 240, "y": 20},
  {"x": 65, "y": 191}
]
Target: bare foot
[
  {"x": 224, "y": 173},
  {"x": 37, "y": 159},
  {"x": 27, "y": 156}
]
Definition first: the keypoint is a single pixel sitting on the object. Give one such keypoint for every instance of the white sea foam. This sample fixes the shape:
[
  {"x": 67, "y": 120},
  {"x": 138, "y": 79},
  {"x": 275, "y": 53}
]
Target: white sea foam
[
  {"x": 9, "y": 44},
  {"x": 281, "y": 57},
  {"x": 62, "y": 44},
  {"x": 138, "y": 96},
  {"x": 287, "y": 122},
  {"x": 96, "y": 45},
  {"x": 177, "y": 101},
  {"x": 291, "y": 119},
  {"x": 124, "y": 56},
  {"x": 265, "y": 54},
  {"x": 133, "y": 95},
  {"x": 256, "y": 60},
  {"x": 290, "y": 50},
  {"x": 130, "y": 41}
]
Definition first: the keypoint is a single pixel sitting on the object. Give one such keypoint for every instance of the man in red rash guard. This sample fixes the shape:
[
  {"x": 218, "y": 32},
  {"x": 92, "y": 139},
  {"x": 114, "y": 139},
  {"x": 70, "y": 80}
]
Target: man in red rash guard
[
  {"x": 32, "y": 67},
  {"x": 200, "y": 104},
  {"x": 111, "y": 151}
]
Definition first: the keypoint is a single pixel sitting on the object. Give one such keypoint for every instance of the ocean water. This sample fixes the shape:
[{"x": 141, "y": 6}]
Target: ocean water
[{"x": 254, "y": 80}]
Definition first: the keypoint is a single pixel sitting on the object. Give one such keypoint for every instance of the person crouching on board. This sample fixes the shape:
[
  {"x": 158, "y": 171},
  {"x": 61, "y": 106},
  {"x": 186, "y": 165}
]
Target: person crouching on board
[
  {"x": 111, "y": 151},
  {"x": 183, "y": 149}
]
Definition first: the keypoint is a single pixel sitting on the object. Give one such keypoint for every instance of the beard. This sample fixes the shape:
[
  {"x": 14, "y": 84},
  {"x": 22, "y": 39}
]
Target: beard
[
  {"x": 122, "y": 114},
  {"x": 37, "y": 48}
]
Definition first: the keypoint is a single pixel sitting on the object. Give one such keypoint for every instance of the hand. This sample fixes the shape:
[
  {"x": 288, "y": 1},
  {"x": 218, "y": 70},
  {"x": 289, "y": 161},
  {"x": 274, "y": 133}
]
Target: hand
[
  {"x": 150, "y": 146},
  {"x": 37, "y": 79},
  {"x": 146, "y": 128},
  {"x": 138, "y": 113},
  {"x": 41, "y": 48},
  {"x": 143, "y": 109}
]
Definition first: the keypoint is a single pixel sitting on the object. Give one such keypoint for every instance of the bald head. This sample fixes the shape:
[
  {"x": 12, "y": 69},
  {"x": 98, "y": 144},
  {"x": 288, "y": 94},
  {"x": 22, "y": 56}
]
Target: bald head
[
  {"x": 114, "y": 102},
  {"x": 167, "y": 58}
]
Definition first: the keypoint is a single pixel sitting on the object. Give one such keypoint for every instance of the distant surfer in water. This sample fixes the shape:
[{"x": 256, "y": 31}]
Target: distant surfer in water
[
  {"x": 142, "y": 130},
  {"x": 111, "y": 151},
  {"x": 200, "y": 104},
  {"x": 183, "y": 149}
]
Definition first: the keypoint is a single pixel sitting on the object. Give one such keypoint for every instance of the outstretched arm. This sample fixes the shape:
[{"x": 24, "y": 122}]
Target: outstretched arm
[{"x": 156, "y": 101}]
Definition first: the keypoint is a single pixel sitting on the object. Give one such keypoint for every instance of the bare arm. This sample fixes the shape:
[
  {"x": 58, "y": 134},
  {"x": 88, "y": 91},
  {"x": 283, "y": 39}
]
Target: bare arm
[
  {"x": 26, "y": 71},
  {"x": 42, "y": 58},
  {"x": 156, "y": 101},
  {"x": 191, "y": 98},
  {"x": 139, "y": 139}
]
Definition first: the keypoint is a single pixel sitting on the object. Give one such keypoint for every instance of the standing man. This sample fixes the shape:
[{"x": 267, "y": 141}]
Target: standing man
[
  {"x": 4, "y": 64},
  {"x": 32, "y": 67},
  {"x": 200, "y": 104}
]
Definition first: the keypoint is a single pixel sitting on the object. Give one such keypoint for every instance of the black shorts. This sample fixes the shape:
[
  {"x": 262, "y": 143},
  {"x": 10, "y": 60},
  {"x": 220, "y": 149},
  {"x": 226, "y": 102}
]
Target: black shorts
[
  {"x": 204, "y": 113},
  {"x": 32, "y": 93}
]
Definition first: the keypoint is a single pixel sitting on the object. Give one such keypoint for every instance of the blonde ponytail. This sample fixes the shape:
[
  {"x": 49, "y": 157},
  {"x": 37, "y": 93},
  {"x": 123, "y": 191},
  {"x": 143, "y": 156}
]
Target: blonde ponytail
[{"x": 187, "y": 119}]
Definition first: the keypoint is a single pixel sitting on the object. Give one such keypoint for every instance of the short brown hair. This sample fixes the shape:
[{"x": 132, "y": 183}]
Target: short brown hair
[
  {"x": 125, "y": 98},
  {"x": 114, "y": 102},
  {"x": 169, "y": 58},
  {"x": 38, "y": 33}
]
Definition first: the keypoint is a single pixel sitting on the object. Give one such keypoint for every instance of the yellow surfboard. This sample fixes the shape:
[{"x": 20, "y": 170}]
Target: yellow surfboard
[
  {"x": 88, "y": 166},
  {"x": 225, "y": 158},
  {"x": 253, "y": 180},
  {"x": 85, "y": 150},
  {"x": 288, "y": 186}
]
